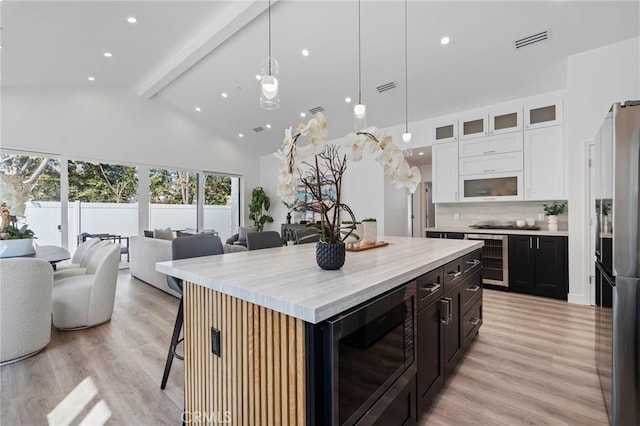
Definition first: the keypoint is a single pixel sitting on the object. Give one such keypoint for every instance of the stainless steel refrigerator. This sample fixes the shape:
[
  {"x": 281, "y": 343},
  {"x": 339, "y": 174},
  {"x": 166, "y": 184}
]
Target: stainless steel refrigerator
[{"x": 617, "y": 176}]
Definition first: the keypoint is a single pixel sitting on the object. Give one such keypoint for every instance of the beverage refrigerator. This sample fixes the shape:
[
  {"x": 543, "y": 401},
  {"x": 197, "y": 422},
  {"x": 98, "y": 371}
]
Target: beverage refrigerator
[{"x": 617, "y": 169}]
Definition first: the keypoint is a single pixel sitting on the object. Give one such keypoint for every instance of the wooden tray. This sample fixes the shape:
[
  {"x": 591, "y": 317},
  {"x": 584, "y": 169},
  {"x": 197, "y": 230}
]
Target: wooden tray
[{"x": 368, "y": 246}]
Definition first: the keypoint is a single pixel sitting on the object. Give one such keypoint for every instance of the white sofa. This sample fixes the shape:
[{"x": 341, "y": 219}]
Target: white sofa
[{"x": 145, "y": 252}]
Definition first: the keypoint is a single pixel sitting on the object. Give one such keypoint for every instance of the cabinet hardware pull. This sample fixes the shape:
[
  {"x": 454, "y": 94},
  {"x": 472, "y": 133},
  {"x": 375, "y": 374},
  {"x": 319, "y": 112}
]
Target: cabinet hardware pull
[
  {"x": 449, "y": 309},
  {"x": 530, "y": 243},
  {"x": 474, "y": 289},
  {"x": 537, "y": 243},
  {"x": 474, "y": 321},
  {"x": 444, "y": 319},
  {"x": 490, "y": 170},
  {"x": 473, "y": 262},
  {"x": 454, "y": 274},
  {"x": 489, "y": 152},
  {"x": 431, "y": 288}
]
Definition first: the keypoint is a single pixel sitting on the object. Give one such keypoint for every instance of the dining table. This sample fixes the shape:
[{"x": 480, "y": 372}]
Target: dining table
[{"x": 52, "y": 254}]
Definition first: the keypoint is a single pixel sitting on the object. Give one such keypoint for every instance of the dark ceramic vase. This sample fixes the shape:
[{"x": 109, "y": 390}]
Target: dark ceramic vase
[{"x": 330, "y": 256}]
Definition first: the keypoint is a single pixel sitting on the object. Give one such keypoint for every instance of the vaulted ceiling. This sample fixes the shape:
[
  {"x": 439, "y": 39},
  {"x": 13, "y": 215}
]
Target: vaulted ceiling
[{"x": 187, "y": 53}]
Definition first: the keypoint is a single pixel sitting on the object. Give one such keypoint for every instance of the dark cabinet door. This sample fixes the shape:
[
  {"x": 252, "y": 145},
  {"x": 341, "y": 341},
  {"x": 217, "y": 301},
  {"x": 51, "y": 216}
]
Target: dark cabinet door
[
  {"x": 454, "y": 235},
  {"x": 522, "y": 263},
  {"x": 429, "y": 350},
  {"x": 551, "y": 266},
  {"x": 431, "y": 234},
  {"x": 452, "y": 334}
]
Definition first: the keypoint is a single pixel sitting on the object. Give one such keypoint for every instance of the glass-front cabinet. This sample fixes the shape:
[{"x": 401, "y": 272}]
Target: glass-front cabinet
[
  {"x": 473, "y": 126},
  {"x": 543, "y": 114},
  {"x": 445, "y": 131},
  {"x": 491, "y": 187},
  {"x": 505, "y": 120}
]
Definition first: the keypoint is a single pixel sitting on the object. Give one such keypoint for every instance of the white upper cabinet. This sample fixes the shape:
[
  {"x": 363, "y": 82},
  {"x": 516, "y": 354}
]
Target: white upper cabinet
[
  {"x": 543, "y": 114},
  {"x": 544, "y": 164},
  {"x": 445, "y": 172},
  {"x": 473, "y": 126},
  {"x": 497, "y": 163},
  {"x": 509, "y": 142},
  {"x": 445, "y": 131},
  {"x": 505, "y": 120}
]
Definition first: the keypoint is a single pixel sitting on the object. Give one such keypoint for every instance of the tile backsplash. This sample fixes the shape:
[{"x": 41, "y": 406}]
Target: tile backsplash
[{"x": 473, "y": 213}]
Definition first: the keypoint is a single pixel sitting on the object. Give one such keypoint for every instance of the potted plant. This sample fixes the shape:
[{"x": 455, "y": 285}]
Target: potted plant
[
  {"x": 370, "y": 230},
  {"x": 552, "y": 211},
  {"x": 357, "y": 231},
  {"x": 258, "y": 207},
  {"x": 322, "y": 177},
  {"x": 15, "y": 239}
]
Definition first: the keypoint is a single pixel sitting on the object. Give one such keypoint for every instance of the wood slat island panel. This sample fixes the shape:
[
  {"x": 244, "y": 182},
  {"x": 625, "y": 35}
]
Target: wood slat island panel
[{"x": 259, "y": 379}]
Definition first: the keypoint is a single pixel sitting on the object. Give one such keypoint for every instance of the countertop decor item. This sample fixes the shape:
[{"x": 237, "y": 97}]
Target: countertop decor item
[
  {"x": 16, "y": 238},
  {"x": 322, "y": 174},
  {"x": 552, "y": 211}
]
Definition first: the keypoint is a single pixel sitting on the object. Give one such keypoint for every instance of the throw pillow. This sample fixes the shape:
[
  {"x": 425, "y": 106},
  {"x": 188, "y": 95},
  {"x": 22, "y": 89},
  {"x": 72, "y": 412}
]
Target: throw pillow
[
  {"x": 228, "y": 248},
  {"x": 148, "y": 234},
  {"x": 244, "y": 230},
  {"x": 165, "y": 234}
]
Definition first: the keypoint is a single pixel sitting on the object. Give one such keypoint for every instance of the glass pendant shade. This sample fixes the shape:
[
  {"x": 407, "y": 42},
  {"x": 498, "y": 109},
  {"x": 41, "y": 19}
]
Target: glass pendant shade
[
  {"x": 360, "y": 111},
  {"x": 269, "y": 98},
  {"x": 406, "y": 137}
]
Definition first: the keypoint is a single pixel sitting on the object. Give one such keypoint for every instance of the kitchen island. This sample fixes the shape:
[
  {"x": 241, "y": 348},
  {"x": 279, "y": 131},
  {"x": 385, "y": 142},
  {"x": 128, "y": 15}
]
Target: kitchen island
[{"x": 266, "y": 308}]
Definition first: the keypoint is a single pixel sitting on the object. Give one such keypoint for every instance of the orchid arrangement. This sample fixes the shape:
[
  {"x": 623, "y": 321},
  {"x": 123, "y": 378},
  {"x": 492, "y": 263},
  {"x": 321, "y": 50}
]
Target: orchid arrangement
[
  {"x": 326, "y": 170},
  {"x": 14, "y": 195}
]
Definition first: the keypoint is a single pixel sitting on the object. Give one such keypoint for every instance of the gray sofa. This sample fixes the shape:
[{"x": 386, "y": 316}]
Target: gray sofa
[{"x": 145, "y": 252}]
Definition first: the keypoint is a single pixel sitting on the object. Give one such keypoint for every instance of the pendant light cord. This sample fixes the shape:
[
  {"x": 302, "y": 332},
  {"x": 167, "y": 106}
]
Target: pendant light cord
[
  {"x": 269, "y": 37},
  {"x": 359, "y": 60},
  {"x": 406, "y": 72}
]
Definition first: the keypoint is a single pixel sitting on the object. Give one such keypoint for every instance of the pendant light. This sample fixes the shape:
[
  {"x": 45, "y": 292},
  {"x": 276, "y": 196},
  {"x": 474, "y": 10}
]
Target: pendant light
[
  {"x": 359, "y": 110},
  {"x": 406, "y": 136},
  {"x": 269, "y": 98}
]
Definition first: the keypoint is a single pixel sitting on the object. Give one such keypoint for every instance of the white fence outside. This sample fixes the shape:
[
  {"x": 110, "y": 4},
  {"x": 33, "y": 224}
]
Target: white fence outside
[{"x": 43, "y": 217}]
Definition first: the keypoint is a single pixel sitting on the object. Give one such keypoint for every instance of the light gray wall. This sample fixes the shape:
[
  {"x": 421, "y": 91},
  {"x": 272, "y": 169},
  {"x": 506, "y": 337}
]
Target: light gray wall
[{"x": 595, "y": 79}]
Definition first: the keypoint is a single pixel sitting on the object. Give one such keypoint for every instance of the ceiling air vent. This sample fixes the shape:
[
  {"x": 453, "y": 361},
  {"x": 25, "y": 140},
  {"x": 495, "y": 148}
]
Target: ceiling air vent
[
  {"x": 387, "y": 86},
  {"x": 258, "y": 129},
  {"x": 532, "y": 39},
  {"x": 313, "y": 111}
]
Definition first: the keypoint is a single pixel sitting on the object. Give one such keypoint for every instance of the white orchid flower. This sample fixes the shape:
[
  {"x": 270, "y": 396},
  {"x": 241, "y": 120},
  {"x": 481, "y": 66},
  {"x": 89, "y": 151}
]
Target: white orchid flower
[
  {"x": 303, "y": 129},
  {"x": 318, "y": 127},
  {"x": 407, "y": 177},
  {"x": 391, "y": 159},
  {"x": 353, "y": 146},
  {"x": 316, "y": 146},
  {"x": 286, "y": 191},
  {"x": 14, "y": 193}
]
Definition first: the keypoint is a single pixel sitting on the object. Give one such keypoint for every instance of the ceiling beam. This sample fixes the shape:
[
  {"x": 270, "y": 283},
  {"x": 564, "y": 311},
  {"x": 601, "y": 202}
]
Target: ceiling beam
[{"x": 224, "y": 25}]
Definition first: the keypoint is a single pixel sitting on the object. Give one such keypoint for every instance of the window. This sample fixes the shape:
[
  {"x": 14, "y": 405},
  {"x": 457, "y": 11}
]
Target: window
[
  {"x": 173, "y": 196},
  {"x": 221, "y": 204}
]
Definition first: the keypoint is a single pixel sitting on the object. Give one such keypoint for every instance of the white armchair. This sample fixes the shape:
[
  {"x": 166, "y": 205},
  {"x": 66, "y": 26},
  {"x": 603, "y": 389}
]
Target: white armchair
[
  {"x": 25, "y": 307},
  {"x": 84, "y": 301},
  {"x": 82, "y": 250},
  {"x": 83, "y": 267}
]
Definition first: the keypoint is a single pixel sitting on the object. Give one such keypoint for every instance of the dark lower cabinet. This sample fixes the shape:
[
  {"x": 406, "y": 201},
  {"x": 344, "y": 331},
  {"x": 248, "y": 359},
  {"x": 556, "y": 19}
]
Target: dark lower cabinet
[
  {"x": 448, "y": 235},
  {"x": 538, "y": 265},
  {"x": 400, "y": 411},
  {"x": 448, "y": 324}
]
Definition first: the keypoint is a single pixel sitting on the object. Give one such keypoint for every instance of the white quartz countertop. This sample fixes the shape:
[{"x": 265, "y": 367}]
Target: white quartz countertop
[
  {"x": 467, "y": 230},
  {"x": 287, "y": 279}
]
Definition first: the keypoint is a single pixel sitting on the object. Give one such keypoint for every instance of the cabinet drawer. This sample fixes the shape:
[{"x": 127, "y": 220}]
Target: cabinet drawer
[
  {"x": 471, "y": 322},
  {"x": 491, "y": 145},
  {"x": 496, "y": 163},
  {"x": 430, "y": 287},
  {"x": 471, "y": 290},
  {"x": 457, "y": 270}
]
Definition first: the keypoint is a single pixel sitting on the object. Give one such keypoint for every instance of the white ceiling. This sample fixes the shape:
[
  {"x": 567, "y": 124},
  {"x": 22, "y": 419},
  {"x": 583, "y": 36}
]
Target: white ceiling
[{"x": 188, "y": 52}]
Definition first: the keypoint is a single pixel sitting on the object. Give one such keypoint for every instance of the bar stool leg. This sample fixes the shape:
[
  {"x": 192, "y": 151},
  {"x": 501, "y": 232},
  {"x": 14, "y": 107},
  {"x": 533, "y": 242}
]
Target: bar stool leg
[{"x": 174, "y": 342}]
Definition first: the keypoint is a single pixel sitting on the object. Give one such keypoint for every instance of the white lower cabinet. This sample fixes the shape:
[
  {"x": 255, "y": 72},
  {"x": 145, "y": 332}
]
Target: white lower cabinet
[
  {"x": 445, "y": 172},
  {"x": 544, "y": 164}
]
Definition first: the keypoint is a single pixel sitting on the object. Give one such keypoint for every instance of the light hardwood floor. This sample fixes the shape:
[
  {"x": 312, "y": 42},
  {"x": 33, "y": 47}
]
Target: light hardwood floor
[{"x": 533, "y": 363}]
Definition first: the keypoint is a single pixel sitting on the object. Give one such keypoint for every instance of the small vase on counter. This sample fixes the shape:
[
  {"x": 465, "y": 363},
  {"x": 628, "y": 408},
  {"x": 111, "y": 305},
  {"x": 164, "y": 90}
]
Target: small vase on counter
[
  {"x": 553, "y": 222},
  {"x": 370, "y": 231}
]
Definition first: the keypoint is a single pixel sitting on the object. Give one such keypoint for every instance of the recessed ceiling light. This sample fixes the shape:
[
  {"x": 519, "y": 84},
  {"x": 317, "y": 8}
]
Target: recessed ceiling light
[
  {"x": 305, "y": 52},
  {"x": 108, "y": 54},
  {"x": 302, "y": 114},
  {"x": 421, "y": 153},
  {"x": 91, "y": 78},
  {"x": 132, "y": 19},
  {"x": 268, "y": 126},
  {"x": 445, "y": 40},
  {"x": 240, "y": 135},
  {"x": 258, "y": 77},
  {"x": 224, "y": 95},
  {"x": 198, "y": 109},
  {"x": 347, "y": 100}
]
